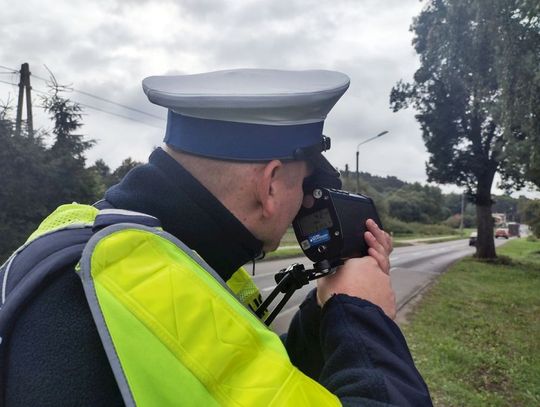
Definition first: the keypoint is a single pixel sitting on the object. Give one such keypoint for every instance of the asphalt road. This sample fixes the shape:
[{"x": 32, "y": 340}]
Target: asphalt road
[{"x": 412, "y": 269}]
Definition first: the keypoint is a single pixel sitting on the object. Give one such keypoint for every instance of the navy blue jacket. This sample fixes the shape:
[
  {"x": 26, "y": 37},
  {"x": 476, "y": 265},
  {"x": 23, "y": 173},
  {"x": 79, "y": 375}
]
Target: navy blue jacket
[
  {"x": 353, "y": 349},
  {"x": 56, "y": 357}
]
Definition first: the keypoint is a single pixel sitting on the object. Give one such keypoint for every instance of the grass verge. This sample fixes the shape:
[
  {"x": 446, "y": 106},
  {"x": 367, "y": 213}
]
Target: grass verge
[
  {"x": 288, "y": 252},
  {"x": 295, "y": 252},
  {"x": 284, "y": 254},
  {"x": 475, "y": 335},
  {"x": 441, "y": 240}
]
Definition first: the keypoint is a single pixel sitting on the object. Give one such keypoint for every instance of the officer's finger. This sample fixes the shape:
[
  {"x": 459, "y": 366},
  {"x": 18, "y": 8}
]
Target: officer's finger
[
  {"x": 382, "y": 237},
  {"x": 382, "y": 261},
  {"x": 373, "y": 242}
]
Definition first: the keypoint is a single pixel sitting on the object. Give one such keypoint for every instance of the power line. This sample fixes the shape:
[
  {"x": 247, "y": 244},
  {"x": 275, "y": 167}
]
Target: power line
[
  {"x": 39, "y": 77},
  {"x": 106, "y": 111},
  {"x": 153, "y": 116},
  {"x": 9, "y": 69},
  {"x": 119, "y": 104},
  {"x": 8, "y": 83},
  {"x": 93, "y": 107},
  {"x": 120, "y": 115},
  {"x": 108, "y": 101}
]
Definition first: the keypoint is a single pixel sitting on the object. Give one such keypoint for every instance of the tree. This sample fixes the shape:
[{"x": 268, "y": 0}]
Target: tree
[
  {"x": 459, "y": 93},
  {"x": 531, "y": 215},
  {"x": 73, "y": 181},
  {"x": 417, "y": 203},
  {"x": 25, "y": 178},
  {"x": 104, "y": 178},
  {"x": 518, "y": 66},
  {"x": 452, "y": 202},
  {"x": 102, "y": 175},
  {"x": 36, "y": 179},
  {"x": 127, "y": 165}
]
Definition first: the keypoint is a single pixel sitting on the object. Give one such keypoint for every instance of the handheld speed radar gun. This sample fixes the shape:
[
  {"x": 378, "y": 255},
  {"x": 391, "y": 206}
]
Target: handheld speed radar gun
[{"x": 330, "y": 229}]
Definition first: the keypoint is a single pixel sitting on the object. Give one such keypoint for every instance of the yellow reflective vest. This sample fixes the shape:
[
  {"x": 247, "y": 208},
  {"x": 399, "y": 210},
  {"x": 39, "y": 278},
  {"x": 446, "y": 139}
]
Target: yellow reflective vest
[{"x": 174, "y": 332}]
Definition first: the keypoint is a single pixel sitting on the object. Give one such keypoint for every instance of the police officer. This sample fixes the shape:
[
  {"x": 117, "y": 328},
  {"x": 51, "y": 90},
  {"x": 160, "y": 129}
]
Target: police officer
[{"x": 157, "y": 312}]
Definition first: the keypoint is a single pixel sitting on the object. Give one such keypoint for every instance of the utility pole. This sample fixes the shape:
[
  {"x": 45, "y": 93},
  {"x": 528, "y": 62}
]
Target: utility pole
[
  {"x": 24, "y": 86},
  {"x": 462, "y": 213}
]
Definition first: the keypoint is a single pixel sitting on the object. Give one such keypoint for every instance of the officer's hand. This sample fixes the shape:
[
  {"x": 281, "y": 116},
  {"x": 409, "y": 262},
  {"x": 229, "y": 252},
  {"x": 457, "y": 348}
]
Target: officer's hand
[
  {"x": 362, "y": 278},
  {"x": 368, "y": 277},
  {"x": 380, "y": 245}
]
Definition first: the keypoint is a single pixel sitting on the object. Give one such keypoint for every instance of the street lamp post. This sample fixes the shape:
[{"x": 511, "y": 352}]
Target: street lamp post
[{"x": 382, "y": 133}]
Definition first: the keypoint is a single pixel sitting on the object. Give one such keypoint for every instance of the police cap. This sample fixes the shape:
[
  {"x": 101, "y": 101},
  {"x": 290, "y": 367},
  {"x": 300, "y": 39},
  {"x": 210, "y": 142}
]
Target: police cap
[{"x": 251, "y": 114}]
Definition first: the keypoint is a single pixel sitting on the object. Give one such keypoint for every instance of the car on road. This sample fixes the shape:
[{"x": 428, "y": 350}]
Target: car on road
[
  {"x": 501, "y": 232},
  {"x": 472, "y": 239}
]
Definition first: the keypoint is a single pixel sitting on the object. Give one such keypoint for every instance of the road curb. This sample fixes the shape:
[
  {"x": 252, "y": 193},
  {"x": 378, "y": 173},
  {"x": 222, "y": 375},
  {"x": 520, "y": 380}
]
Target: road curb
[{"x": 408, "y": 304}]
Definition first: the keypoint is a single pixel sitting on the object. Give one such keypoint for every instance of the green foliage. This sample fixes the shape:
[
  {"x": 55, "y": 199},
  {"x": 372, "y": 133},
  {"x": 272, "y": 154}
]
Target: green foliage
[
  {"x": 103, "y": 176},
  {"x": 454, "y": 221},
  {"x": 37, "y": 179},
  {"x": 71, "y": 180},
  {"x": 66, "y": 117},
  {"x": 531, "y": 216},
  {"x": 396, "y": 198},
  {"x": 417, "y": 203},
  {"x": 473, "y": 334},
  {"x": 382, "y": 185},
  {"x": 25, "y": 169},
  {"x": 453, "y": 202},
  {"x": 477, "y": 60},
  {"x": 127, "y": 165},
  {"x": 415, "y": 229},
  {"x": 518, "y": 66},
  {"x": 453, "y": 91}
]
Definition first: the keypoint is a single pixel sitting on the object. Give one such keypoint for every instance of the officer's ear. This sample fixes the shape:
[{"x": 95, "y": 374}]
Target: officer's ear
[{"x": 268, "y": 187}]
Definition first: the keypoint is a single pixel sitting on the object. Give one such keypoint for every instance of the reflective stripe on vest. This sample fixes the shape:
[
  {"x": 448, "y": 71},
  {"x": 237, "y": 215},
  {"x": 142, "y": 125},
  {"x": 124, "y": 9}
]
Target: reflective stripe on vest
[{"x": 175, "y": 335}]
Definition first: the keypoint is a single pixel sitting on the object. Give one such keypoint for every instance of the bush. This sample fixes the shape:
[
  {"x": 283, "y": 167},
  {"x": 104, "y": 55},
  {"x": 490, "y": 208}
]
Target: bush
[
  {"x": 398, "y": 227},
  {"x": 454, "y": 221}
]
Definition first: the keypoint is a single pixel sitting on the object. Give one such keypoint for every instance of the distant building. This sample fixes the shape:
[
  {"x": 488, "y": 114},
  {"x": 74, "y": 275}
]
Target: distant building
[{"x": 499, "y": 219}]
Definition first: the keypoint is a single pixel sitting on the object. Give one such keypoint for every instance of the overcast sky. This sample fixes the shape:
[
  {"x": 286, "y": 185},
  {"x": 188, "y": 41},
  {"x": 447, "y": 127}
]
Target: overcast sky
[{"x": 107, "y": 47}]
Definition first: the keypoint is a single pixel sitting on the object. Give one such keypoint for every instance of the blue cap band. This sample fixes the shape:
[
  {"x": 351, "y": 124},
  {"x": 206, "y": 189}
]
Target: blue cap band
[{"x": 239, "y": 141}]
